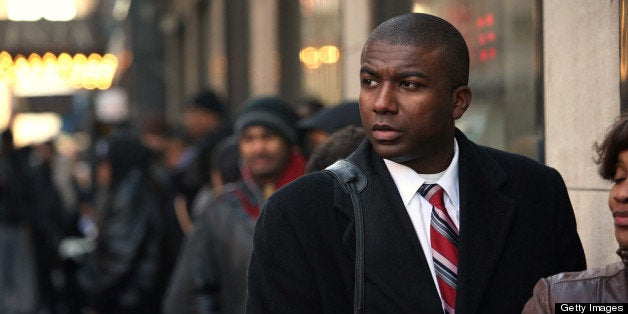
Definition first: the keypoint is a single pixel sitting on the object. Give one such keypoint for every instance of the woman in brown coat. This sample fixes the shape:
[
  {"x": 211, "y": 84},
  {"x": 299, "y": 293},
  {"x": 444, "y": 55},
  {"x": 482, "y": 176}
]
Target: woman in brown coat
[{"x": 607, "y": 284}]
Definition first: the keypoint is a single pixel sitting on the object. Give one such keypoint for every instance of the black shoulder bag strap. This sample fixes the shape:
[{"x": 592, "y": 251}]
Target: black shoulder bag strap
[{"x": 353, "y": 181}]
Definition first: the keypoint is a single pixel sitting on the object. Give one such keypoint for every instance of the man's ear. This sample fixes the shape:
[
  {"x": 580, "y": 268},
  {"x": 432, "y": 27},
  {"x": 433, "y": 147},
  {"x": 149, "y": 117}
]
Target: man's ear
[{"x": 461, "y": 98}]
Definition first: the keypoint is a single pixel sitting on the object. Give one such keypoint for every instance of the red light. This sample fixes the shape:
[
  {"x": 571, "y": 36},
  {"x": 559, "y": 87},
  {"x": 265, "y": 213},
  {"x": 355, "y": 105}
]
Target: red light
[
  {"x": 480, "y": 22},
  {"x": 492, "y": 53},
  {"x": 489, "y": 19},
  {"x": 490, "y": 36},
  {"x": 483, "y": 55},
  {"x": 481, "y": 39}
]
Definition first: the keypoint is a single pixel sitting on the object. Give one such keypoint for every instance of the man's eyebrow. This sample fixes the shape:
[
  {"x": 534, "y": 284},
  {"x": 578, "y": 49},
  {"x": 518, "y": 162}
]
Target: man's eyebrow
[
  {"x": 411, "y": 74},
  {"x": 399, "y": 75},
  {"x": 368, "y": 70}
]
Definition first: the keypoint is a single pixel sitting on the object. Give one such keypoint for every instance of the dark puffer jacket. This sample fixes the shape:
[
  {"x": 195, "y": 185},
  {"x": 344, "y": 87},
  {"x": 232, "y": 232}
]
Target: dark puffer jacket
[{"x": 122, "y": 274}]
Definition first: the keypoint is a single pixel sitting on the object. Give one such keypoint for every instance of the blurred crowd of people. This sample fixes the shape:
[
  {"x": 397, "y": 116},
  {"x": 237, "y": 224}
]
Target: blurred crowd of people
[{"x": 157, "y": 219}]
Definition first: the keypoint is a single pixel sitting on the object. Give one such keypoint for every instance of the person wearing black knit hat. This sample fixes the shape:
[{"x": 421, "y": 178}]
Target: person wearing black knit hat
[
  {"x": 215, "y": 257},
  {"x": 271, "y": 112}
]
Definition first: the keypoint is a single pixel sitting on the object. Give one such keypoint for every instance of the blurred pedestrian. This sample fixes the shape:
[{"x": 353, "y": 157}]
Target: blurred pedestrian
[
  {"x": 224, "y": 168},
  {"x": 54, "y": 213},
  {"x": 207, "y": 123},
  {"x": 307, "y": 106},
  {"x": 215, "y": 256},
  {"x": 18, "y": 282},
  {"x": 338, "y": 145},
  {"x": 318, "y": 127},
  {"x": 123, "y": 273}
]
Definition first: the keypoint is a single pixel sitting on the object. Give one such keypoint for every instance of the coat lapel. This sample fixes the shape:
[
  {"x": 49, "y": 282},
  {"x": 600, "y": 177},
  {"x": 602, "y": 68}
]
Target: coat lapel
[
  {"x": 486, "y": 215},
  {"x": 394, "y": 260}
]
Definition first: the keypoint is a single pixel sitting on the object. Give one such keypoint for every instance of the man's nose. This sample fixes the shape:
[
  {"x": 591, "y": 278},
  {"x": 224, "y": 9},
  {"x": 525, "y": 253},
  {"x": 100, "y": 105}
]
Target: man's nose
[{"x": 385, "y": 101}]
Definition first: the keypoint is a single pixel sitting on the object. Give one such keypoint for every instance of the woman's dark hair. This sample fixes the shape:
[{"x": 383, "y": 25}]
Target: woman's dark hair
[{"x": 615, "y": 142}]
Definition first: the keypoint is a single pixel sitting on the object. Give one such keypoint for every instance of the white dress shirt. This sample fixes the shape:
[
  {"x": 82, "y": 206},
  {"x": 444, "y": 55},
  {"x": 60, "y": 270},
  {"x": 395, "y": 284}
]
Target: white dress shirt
[{"x": 419, "y": 209}]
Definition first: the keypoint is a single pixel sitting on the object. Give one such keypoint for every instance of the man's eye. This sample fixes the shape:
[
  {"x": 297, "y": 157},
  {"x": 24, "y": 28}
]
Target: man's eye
[
  {"x": 409, "y": 84},
  {"x": 368, "y": 82}
]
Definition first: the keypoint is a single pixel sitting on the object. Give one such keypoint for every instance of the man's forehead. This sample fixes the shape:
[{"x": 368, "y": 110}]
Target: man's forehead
[{"x": 259, "y": 129}]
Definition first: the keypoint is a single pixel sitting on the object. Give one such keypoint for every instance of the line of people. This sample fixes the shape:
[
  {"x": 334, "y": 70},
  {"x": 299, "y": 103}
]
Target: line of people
[{"x": 127, "y": 225}]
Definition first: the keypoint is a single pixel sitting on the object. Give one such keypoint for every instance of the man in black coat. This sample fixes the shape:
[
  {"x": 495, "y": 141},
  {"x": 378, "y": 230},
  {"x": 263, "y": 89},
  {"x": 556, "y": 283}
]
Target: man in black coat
[{"x": 511, "y": 216}]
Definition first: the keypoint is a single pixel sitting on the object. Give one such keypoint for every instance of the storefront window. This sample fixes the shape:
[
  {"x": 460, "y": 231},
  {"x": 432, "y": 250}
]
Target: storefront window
[
  {"x": 320, "y": 54},
  {"x": 501, "y": 39}
]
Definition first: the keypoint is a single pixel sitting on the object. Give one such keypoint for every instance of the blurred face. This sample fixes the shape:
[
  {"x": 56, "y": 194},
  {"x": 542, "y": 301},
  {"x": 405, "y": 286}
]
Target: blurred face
[
  {"x": 264, "y": 152},
  {"x": 104, "y": 173},
  {"x": 174, "y": 151},
  {"x": 618, "y": 199},
  {"x": 408, "y": 106},
  {"x": 198, "y": 122}
]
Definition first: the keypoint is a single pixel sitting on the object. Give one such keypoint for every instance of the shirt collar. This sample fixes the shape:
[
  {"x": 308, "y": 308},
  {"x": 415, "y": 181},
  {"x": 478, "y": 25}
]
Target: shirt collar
[{"x": 408, "y": 181}]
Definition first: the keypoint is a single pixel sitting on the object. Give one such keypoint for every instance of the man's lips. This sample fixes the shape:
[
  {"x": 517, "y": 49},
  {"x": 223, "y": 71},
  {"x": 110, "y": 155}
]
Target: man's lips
[
  {"x": 621, "y": 218},
  {"x": 382, "y": 132}
]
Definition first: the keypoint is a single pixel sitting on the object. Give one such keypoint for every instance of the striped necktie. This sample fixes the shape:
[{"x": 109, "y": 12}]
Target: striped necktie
[{"x": 444, "y": 241}]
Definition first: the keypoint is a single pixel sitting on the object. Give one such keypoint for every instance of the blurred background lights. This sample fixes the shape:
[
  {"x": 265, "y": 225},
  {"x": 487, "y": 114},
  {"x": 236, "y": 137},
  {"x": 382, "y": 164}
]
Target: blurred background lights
[
  {"x": 52, "y": 10},
  {"x": 31, "y": 128},
  {"x": 33, "y": 10},
  {"x": 47, "y": 74},
  {"x": 329, "y": 54},
  {"x": 313, "y": 58},
  {"x": 309, "y": 57}
]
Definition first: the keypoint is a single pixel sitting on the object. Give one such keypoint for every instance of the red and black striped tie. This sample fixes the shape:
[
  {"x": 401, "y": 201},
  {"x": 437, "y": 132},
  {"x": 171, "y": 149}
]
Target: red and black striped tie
[{"x": 444, "y": 240}]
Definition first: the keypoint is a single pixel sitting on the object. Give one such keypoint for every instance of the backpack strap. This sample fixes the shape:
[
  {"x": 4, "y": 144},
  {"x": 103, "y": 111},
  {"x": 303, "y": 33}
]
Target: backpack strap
[{"x": 353, "y": 181}]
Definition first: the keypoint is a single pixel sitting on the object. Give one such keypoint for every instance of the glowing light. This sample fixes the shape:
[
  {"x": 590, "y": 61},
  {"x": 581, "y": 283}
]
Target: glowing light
[
  {"x": 420, "y": 8},
  {"x": 33, "y": 10},
  {"x": 490, "y": 36},
  {"x": 489, "y": 19},
  {"x": 313, "y": 58},
  {"x": 29, "y": 128},
  {"x": 329, "y": 54},
  {"x": 309, "y": 57},
  {"x": 47, "y": 74}
]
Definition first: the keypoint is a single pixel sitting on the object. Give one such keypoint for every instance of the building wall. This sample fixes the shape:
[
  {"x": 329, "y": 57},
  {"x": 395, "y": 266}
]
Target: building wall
[
  {"x": 356, "y": 27},
  {"x": 581, "y": 79},
  {"x": 265, "y": 63}
]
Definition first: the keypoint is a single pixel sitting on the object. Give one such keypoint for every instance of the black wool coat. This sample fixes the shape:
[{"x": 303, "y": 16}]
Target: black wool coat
[{"x": 516, "y": 226}]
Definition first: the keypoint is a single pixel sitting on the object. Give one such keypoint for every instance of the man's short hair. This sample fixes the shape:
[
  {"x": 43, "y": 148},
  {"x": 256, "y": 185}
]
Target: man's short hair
[{"x": 430, "y": 32}]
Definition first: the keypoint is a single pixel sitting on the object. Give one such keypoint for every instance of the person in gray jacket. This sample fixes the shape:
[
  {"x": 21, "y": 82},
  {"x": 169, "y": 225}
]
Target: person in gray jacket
[
  {"x": 210, "y": 276},
  {"x": 607, "y": 284}
]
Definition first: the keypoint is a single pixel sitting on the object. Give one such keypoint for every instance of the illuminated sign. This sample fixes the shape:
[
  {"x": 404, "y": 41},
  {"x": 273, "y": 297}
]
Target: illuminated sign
[{"x": 51, "y": 74}]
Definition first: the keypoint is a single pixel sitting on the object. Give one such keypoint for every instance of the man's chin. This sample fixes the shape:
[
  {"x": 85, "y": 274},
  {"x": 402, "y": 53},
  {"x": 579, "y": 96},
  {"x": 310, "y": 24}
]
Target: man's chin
[
  {"x": 263, "y": 173},
  {"x": 389, "y": 152}
]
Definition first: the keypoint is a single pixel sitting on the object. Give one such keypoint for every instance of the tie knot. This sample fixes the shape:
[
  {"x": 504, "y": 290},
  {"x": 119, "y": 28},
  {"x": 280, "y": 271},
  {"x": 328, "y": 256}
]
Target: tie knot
[{"x": 433, "y": 193}]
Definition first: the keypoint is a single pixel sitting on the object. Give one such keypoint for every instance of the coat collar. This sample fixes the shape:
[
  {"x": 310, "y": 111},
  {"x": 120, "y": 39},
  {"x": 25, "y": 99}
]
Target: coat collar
[{"x": 394, "y": 261}]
